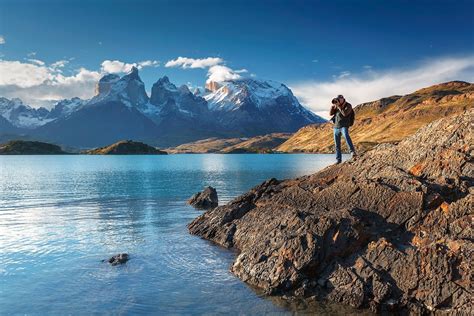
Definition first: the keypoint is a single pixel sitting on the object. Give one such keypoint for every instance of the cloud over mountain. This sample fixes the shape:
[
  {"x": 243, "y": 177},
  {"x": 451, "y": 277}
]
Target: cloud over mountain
[
  {"x": 117, "y": 66},
  {"x": 217, "y": 70},
  {"x": 38, "y": 83},
  {"x": 372, "y": 85},
  {"x": 185, "y": 62}
]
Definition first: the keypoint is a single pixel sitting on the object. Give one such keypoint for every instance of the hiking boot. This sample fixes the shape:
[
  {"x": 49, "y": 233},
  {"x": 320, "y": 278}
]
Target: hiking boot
[
  {"x": 337, "y": 162},
  {"x": 353, "y": 154}
]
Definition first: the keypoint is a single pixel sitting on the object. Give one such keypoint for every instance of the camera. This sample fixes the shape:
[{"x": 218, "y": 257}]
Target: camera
[{"x": 335, "y": 101}]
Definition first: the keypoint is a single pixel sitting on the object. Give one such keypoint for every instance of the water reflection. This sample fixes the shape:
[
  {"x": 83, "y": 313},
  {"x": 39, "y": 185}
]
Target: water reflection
[{"x": 61, "y": 215}]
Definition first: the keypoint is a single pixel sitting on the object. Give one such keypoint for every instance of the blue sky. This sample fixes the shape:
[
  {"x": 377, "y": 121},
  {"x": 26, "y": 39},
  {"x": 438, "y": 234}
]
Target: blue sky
[{"x": 294, "y": 42}]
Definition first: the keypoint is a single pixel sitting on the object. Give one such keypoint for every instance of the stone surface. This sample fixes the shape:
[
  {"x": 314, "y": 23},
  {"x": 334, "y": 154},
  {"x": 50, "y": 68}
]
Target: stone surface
[
  {"x": 206, "y": 199},
  {"x": 120, "y": 258},
  {"x": 392, "y": 230}
]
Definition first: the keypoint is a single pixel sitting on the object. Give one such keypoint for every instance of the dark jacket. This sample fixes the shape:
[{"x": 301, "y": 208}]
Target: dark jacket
[{"x": 341, "y": 115}]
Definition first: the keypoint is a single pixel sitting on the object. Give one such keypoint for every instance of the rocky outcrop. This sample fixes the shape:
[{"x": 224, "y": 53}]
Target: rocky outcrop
[
  {"x": 390, "y": 230},
  {"x": 206, "y": 199},
  {"x": 105, "y": 83}
]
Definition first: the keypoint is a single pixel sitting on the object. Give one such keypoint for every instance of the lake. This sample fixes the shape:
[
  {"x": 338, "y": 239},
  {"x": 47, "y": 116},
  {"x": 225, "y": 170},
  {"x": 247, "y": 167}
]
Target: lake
[{"x": 61, "y": 215}]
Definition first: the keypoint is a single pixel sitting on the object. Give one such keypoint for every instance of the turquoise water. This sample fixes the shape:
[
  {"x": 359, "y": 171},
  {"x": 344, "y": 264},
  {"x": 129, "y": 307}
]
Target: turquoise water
[{"x": 61, "y": 215}]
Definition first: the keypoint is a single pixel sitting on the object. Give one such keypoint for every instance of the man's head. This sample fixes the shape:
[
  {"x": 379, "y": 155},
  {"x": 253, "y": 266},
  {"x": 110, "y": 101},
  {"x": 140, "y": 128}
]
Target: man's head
[{"x": 341, "y": 99}]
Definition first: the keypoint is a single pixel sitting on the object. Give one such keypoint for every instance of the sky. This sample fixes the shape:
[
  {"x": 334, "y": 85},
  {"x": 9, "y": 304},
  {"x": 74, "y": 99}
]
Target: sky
[{"x": 363, "y": 49}]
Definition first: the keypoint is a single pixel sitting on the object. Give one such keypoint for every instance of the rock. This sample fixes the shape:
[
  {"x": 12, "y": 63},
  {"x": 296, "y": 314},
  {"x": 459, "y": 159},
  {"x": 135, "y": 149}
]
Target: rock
[
  {"x": 389, "y": 231},
  {"x": 207, "y": 199},
  {"x": 120, "y": 258}
]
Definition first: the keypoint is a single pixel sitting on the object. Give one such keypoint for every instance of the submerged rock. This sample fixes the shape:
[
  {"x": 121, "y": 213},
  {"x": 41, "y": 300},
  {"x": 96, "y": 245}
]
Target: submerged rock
[
  {"x": 120, "y": 258},
  {"x": 205, "y": 199},
  {"x": 392, "y": 230}
]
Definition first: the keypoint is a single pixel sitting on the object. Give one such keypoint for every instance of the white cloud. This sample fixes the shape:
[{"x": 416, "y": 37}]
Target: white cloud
[
  {"x": 216, "y": 70},
  {"x": 2, "y": 39},
  {"x": 60, "y": 64},
  {"x": 241, "y": 71},
  {"x": 36, "y": 61},
  {"x": 372, "y": 85},
  {"x": 148, "y": 63},
  {"x": 117, "y": 66},
  {"x": 31, "y": 54},
  {"x": 221, "y": 73},
  {"x": 185, "y": 62},
  {"x": 23, "y": 75},
  {"x": 344, "y": 74},
  {"x": 37, "y": 83}
]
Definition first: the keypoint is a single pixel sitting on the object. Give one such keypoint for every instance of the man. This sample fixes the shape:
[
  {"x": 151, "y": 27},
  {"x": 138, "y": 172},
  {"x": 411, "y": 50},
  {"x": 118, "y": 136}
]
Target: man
[{"x": 341, "y": 112}]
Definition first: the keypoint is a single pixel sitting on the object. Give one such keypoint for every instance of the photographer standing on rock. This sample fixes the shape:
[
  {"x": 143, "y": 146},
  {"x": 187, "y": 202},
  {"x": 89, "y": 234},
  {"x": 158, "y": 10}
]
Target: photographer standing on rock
[{"x": 343, "y": 117}]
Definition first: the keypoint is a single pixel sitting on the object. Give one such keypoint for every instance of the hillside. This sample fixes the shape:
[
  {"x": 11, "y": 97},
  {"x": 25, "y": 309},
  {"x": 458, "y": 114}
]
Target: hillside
[
  {"x": 255, "y": 144},
  {"x": 258, "y": 144},
  {"x": 390, "y": 231},
  {"x": 126, "y": 147},
  {"x": 389, "y": 119},
  {"x": 23, "y": 147}
]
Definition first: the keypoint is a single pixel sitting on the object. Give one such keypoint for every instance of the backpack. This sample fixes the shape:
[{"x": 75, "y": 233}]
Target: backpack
[{"x": 351, "y": 118}]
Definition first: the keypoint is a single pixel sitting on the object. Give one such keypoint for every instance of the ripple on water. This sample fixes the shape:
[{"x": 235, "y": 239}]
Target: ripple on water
[{"x": 61, "y": 216}]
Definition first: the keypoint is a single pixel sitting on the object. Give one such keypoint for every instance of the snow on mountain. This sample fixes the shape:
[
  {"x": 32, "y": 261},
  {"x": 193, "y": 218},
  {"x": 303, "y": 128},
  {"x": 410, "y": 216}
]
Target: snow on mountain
[
  {"x": 22, "y": 115},
  {"x": 167, "y": 98},
  {"x": 130, "y": 90},
  {"x": 66, "y": 107},
  {"x": 231, "y": 95}
]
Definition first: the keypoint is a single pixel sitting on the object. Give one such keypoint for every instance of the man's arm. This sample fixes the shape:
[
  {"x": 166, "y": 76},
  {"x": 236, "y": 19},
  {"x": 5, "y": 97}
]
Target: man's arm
[
  {"x": 346, "y": 110},
  {"x": 332, "y": 111}
]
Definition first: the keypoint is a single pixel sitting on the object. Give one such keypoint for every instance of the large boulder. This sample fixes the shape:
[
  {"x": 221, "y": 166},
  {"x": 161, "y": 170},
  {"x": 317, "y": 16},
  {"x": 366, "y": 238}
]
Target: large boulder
[
  {"x": 206, "y": 199},
  {"x": 390, "y": 230}
]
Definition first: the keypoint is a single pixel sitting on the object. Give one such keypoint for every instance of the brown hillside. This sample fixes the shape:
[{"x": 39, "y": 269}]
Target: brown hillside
[
  {"x": 255, "y": 144},
  {"x": 126, "y": 147},
  {"x": 389, "y": 119}
]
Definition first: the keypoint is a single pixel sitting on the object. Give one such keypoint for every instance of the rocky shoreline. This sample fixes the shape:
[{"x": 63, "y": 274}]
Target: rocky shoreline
[{"x": 391, "y": 231}]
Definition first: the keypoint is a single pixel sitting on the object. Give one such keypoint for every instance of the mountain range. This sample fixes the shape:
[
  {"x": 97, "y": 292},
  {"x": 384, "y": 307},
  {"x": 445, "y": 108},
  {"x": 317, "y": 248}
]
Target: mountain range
[{"x": 171, "y": 115}]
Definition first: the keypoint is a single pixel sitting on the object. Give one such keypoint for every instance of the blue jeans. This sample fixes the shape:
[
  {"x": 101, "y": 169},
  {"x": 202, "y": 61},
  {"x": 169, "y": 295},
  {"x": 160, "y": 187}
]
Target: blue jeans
[{"x": 337, "y": 141}]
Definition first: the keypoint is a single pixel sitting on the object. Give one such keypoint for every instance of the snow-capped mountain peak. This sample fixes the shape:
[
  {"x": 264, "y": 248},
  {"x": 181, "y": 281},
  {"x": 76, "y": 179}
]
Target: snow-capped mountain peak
[
  {"x": 22, "y": 115},
  {"x": 130, "y": 89},
  {"x": 170, "y": 99},
  {"x": 231, "y": 94},
  {"x": 250, "y": 102},
  {"x": 66, "y": 107}
]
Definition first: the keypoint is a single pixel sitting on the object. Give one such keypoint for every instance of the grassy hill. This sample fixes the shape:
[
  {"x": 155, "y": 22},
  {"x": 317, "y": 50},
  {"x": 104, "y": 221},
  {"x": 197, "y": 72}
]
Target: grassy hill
[
  {"x": 389, "y": 119},
  {"x": 24, "y": 147},
  {"x": 126, "y": 147},
  {"x": 257, "y": 144}
]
